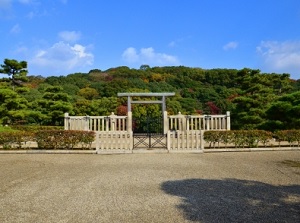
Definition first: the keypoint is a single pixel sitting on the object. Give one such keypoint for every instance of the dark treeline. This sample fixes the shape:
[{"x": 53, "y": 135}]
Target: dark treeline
[{"x": 256, "y": 100}]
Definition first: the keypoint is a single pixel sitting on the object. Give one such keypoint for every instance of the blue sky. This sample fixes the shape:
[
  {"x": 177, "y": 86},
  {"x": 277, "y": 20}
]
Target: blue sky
[{"x": 59, "y": 37}]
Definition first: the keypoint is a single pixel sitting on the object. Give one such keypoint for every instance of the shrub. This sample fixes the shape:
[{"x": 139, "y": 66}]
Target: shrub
[
  {"x": 64, "y": 139},
  {"x": 6, "y": 140},
  {"x": 86, "y": 139},
  {"x": 212, "y": 137},
  {"x": 35, "y": 128},
  {"x": 239, "y": 138},
  {"x": 10, "y": 140},
  {"x": 226, "y": 137},
  {"x": 288, "y": 135},
  {"x": 49, "y": 139}
]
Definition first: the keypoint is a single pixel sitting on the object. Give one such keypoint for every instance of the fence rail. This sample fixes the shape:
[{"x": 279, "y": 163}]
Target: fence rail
[
  {"x": 199, "y": 122},
  {"x": 96, "y": 123}
]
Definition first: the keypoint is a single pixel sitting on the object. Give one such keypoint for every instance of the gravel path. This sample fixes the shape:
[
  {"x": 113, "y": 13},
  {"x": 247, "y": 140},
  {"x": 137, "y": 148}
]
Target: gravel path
[{"x": 218, "y": 187}]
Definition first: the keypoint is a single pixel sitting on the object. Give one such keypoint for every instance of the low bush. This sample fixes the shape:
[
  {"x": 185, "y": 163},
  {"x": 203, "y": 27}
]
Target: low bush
[
  {"x": 238, "y": 138},
  {"x": 213, "y": 137},
  {"x": 17, "y": 139},
  {"x": 6, "y": 129},
  {"x": 64, "y": 139},
  {"x": 291, "y": 136},
  {"x": 35, "y": 128}
]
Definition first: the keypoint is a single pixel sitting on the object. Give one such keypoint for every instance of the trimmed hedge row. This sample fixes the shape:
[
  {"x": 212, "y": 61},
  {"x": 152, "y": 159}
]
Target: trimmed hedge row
[
  {"x": 48, "y": 139},
  {"x": 250, "y": 138},
  {"x": 291, "y": 136},
  {"x": 35, "y": 128},
  {"x": 10, "y": 140},
  {"x": 71, "y": 139}
]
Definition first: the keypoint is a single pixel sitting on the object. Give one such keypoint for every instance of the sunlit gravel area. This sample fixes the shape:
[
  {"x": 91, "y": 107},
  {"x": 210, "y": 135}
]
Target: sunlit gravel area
[{"x": 209, "y": 187}]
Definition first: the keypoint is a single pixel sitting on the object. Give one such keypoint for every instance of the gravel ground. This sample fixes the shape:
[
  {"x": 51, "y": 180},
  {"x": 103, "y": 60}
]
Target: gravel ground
[{"x": 215, "y": 187}]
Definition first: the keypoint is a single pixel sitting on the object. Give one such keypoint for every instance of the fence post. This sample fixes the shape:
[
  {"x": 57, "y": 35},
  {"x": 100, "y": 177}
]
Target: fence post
[
  {"x": 129, "y": 121},
  {"x": 202, "y": 140},
  {"x": 131, "y": 141},
  {"x": 168, "y": 141},
  {"x": 66, "y": 121},
  {"x": 97, "y": 142},
  {"x": 86, "y": 123},
  {"x": 228, "y": 120},
  {"x": 166, "y": 122},
  {"x": 181, "y": 122},
  {"x": 188, "y": 119},
  {"x": 112, "y": 118},
  {"x": 207, "y": 120}
]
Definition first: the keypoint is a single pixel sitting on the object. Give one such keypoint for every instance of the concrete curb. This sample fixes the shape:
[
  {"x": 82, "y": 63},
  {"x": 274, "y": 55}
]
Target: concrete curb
[
  {"x": 252, "y": 149},
  {"x": 36, "y": 151}
]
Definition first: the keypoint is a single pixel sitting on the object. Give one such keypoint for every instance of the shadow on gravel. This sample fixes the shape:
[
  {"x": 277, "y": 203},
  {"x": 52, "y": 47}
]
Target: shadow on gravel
[{"x": 232, "y": 200}]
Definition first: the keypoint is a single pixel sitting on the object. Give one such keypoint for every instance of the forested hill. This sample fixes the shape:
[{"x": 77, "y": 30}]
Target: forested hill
[{"x": 256, "y": 100}]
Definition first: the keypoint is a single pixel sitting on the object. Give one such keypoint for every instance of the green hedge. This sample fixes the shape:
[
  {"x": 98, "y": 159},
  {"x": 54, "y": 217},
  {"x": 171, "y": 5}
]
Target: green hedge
[
  {"x": 19, "y": 139},
  {"x": 35, "y": 128},
  {"x": 64, "y": 139},
  {"x": 291, "y": 136},
  {"x": 250, "y": 138},
  {"x": 48, "y": 139},
  {"x": 70, "y": 139}
]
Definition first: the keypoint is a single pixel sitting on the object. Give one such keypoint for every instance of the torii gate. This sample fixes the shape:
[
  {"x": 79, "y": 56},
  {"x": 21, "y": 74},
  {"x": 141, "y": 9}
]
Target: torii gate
[{"x": 163, "y": 96}]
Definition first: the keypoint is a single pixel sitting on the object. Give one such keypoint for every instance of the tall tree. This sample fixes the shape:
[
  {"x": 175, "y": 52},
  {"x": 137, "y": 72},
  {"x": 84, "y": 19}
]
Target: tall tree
[
  {"x": 16, "y": 71},
  {"x": 54, "y": 104}
]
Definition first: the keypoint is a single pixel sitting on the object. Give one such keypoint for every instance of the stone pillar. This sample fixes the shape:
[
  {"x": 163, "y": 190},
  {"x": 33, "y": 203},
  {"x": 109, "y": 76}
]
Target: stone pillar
[
  {"x": 129, "y": 121},
  {"x": 163, "y": 104},
  {"x": 166, "y": 122},
  {"x": 228, "y": 120},
  {"x": 128, "y": 104},
  {"x": 66, "y": 121}
]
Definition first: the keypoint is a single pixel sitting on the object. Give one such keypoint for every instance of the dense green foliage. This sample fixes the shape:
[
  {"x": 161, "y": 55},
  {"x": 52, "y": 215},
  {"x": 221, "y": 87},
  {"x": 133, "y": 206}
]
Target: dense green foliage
[
  {"x": 251, "y": 138},
  {"x": 256, "y": 100},
  {"x": 47, "y": 139}
]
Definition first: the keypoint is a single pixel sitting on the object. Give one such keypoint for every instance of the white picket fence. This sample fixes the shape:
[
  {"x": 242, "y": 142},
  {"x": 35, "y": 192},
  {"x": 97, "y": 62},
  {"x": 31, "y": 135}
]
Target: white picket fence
[
  {"x": 96, "y": 123},
  {"x": 184, "y": 133},
  {"x": 185, "y": 141},
  {"x": 199, "y": 122},
  {"x": 114, "y": 141}
]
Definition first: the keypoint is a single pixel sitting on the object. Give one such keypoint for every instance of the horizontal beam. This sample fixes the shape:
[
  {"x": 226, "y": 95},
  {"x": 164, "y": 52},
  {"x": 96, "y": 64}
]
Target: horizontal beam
[
  {"x": 146, "y": 102},
  {"x": 150, "y": 94}
]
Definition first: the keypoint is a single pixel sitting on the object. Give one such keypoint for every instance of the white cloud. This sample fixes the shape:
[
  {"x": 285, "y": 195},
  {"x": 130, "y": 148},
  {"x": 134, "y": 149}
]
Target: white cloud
[
  {"x": 280, "y": 56},
  {"x": 70, "y": 36},
  {"x": 148, "y": 56},
  {"x": 63, "y": 57},
  {"x": 231, "y": 45},
  {"x": 15, "y": 29},
  {"x": 130, "y": 55}
]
